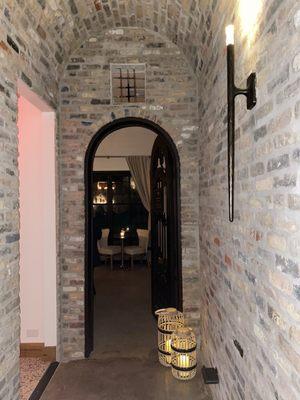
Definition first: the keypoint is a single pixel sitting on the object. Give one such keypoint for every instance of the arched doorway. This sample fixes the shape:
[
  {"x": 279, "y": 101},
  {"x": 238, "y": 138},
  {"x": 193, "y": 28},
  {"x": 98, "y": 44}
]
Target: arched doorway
[{"x": 161, "y": 277}]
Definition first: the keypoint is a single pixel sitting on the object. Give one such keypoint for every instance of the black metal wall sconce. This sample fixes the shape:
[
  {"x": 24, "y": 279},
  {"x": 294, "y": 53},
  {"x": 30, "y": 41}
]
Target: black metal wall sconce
[{"x": 232, "y": 92}]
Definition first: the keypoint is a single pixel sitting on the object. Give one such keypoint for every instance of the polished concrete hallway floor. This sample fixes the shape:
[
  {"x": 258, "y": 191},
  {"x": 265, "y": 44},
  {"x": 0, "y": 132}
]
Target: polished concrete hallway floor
[
  {"x": 123, "y": 365},
  {"x": 124, "y": 325}
]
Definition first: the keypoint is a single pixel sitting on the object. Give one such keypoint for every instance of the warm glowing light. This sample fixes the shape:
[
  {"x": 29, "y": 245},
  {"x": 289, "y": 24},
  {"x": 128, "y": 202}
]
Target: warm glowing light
[
  {"x": 183, "y": 356},
  {"x": 249, "y": 12},
  {"x": 168, "y": 349},
  {"x": 101, "y": 186},
  {"x": 184, "y": 361},
  {"x": 168, "y": 346},
  {"x": 132, "y": 184},
  {"x": 100, "y": 199},
  {"x": 229, "y": 34}
]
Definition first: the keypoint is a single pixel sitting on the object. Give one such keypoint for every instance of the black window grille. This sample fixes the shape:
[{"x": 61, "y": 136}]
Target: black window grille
[{"x": 128, "y": 84}]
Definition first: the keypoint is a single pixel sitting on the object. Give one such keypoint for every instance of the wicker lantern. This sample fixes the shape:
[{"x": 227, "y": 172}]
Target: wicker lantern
[
  {"x": 169, "y": 319},
  {"x": 184, "y": 355}
]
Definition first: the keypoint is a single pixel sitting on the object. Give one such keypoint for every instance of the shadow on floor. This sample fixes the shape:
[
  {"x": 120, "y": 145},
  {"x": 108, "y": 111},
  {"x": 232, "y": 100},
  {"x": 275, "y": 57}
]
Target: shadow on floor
[{"x": 124, "y": 364}]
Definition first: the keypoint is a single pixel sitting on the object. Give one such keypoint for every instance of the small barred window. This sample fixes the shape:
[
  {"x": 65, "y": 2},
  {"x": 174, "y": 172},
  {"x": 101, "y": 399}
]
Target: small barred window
[{"x": 128, "y": 82}]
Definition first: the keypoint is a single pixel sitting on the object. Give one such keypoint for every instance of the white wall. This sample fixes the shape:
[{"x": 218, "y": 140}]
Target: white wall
[
  {"x": 49, "y": 224},
  {"x": 110, "y": 164},
  {"x": 133, "y": 141},
  {"x": 36, "y": 123}
]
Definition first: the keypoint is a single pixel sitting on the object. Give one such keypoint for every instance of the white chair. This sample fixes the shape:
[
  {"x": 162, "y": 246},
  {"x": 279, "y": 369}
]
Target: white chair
[
  {"x": 141, "y": 249},
  {"x": 105, "y": 250}
]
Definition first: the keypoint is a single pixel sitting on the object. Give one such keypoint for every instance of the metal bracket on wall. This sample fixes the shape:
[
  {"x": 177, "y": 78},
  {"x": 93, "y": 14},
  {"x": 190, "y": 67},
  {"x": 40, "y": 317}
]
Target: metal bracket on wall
[{"x": 232, "y": 92}]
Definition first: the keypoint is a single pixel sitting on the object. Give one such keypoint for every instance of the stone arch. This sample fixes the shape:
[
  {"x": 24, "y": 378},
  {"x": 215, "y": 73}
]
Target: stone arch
[
  {"x": 101, "y": 34},
  {"x": 172, "y": 103},
  {"x": 61, "y": 25},
  {"x": 137, "y": 113}
]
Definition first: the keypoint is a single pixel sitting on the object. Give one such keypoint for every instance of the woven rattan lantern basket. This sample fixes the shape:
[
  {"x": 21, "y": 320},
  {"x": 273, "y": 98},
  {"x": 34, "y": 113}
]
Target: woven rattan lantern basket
[
  {"x": 169, "y": 319},
  {"x": 184, "y": 355}
]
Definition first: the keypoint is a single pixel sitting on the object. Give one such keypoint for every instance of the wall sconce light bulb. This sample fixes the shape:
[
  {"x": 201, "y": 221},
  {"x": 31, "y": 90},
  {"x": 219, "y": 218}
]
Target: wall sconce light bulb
[{"x": 229, "y": 34}]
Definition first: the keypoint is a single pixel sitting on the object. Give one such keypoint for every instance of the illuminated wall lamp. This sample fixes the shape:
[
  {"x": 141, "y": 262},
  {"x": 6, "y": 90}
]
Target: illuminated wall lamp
[{"x": 232, "y": 92}]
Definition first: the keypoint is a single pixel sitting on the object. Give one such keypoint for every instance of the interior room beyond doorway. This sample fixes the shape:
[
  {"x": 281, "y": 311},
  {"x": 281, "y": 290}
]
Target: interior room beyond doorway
[{"x": 122, "y": 274}]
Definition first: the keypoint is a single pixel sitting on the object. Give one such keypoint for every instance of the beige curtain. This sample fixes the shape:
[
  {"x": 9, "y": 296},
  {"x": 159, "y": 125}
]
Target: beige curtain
[{"x": 139, "y": 167}]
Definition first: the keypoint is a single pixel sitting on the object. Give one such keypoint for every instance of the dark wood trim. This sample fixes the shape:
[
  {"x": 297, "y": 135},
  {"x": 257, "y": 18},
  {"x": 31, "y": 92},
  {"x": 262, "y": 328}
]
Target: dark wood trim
[
  {"x": 88, "y": 169},
  {"x": 41, "y": 386},
  {"x": 38, "y": 350},
  {"x": 115, "y": 172}
]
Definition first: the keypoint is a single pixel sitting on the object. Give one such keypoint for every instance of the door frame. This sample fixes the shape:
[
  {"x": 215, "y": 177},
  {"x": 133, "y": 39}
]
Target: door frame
[
  {"x": 96, "y": 140},
  {"x": 169, "y": 295}
]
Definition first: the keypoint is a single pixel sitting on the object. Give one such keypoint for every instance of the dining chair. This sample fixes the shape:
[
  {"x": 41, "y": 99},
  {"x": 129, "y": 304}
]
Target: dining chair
[
  {"x": 141, "y": 249},
  {"x": 106, "y": 250}
]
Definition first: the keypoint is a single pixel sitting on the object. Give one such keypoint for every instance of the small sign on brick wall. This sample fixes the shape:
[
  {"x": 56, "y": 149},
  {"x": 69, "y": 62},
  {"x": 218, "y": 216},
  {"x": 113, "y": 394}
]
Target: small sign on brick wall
[{"x": 128, "y": 83}]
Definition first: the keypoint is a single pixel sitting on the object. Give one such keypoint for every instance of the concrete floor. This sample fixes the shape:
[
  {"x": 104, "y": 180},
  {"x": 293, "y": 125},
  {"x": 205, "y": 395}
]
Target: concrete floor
[
  {"x": 124, "y": 363},
  {"x": 124, "y": 326}
]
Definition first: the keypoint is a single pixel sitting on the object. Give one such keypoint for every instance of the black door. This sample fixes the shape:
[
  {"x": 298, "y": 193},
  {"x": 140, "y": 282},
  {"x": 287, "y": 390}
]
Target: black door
[{"x": 165, "y": 235}]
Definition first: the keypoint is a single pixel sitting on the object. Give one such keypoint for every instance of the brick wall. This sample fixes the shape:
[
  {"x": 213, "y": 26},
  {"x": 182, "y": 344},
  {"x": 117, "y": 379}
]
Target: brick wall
[
  {"x": 249, "y": 282},
  {"x": 251, "y": 267},
  {"x": 171, "y": 101},
  {"x": 22, "y": 56}
]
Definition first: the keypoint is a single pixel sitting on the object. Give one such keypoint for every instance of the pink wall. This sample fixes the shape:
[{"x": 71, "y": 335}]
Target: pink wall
[{"x": 37, "y": 221}]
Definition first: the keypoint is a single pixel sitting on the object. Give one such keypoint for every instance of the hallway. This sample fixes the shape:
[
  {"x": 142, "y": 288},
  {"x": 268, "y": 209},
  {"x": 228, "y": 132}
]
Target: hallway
[
  {"x": 83, "y": 85},
  {"x": 124, "y": 364}
]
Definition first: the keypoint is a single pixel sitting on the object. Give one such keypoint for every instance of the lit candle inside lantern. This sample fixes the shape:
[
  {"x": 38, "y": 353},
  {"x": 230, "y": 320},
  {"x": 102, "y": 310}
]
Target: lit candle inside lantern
[
  {"x": 229, "y": 34},
  {"x": 122, "y": 234},
  {"x": 184, "y": 361},
  {"x": 169, "y": 319},
  {"x": 168, "y": 349},
  {"x": 168, "y": 346},
  {"x": 183, "y": 357}
]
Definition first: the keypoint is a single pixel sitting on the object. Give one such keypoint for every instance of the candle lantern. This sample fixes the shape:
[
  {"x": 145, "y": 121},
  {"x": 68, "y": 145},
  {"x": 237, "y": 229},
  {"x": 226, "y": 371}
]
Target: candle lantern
[
  {"x": 122, "y": 234},
  {"x": 122, "y": 237},
  {"x": 169, "y": 319},
  {"x": 184, "y": 354}
]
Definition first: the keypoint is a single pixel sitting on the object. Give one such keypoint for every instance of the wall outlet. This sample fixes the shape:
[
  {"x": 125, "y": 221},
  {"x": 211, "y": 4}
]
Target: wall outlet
[{"x": 32, "y": 333}]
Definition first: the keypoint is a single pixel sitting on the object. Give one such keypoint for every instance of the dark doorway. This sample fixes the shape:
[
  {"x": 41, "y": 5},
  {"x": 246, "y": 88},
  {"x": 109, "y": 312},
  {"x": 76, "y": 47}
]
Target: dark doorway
[{"x": 166, "y": 285}]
